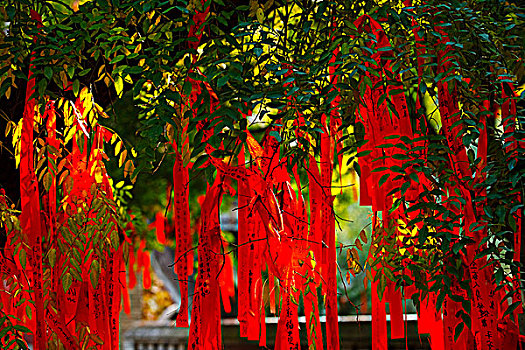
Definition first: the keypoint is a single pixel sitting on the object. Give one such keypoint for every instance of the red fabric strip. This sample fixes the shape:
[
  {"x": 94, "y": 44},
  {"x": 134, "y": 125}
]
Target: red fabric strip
[
  {"x": 52, "y": 141},
  {"x": 183, "y": 245},
  {"x": 159, "y": 227},
  {"x": 30, "y": 219},
  {"x": 131, "y": 266},
  {"x": 61, "y": 331},
  {"x": 450, "y": 321},
  {"x": 315, "y": 198},
  {"x": 124, "y": 291},
  {"x": 98, "y": 308},
  {"x": 287, "y": 337},
  {"x": 313, "y": 324},
  {"x": 508, "y": 118},
  {"x": 425, "y": 318},
  {"x": 113, "y": 290},
  {"x": 379, "y": 330},
  {"x": 243, "y": 194},
  {"x": 329, "y": 256},
  {"x": 146, "y": 273},
  {"x": 254, "y": 279},
  {"x": 226, "y": 281},
  {"x": 205, "y": 332},
  {"x": 397, "y": 324},
  {"x": 262, "y": 322}
]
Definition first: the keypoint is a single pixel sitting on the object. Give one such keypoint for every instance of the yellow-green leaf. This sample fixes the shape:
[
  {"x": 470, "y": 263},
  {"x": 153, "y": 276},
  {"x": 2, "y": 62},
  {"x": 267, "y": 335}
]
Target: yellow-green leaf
[
  {"x": 115, "y": 240},
  {"x": 76, "y": 87},
  {"x": 52, "y": 256},
  {"x": 23, "y": 257},
  {"x": 67, "y": 280},
  {"x": 94, "y": 273},
  {"x": 118, "y": 147},
  {"x": 122, "y": 158},
  {"x": 119, "y": 86},
  {"x": 29, "y": 313},
  {"x": 48, "y": 180}
]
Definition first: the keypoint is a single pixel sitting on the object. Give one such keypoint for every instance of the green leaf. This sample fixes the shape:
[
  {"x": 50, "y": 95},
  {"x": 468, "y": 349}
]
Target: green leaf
[
  {"x": 76, "y": 87},
  {"x": 29, "y": 313},
  {"x": 457, "y": 247},
  {"x": 276, "y": 134},
  {"x": 458, "y": 330},
  {"x": 187, "y": 87},
  {"x": 222, "y": 80},
  {"x": 115, "y": 240},
  {"x": 4, "y": 330},
  {"x": 48, "y": 72},
  {"x": 52, "y": 256},
  {"x": 67, "y": 280},
  {"x": 21, "y": 328},
  {"x": 117, "y": 59},
  {"x": 119, "y": 86},
  {"x": 47, "y": 180},
  {"x": 84, "y": 72},
  {"x": 511, "y": 308},
  {"x": 383, "y": 179},
  {"x": 70, "y": 71},
  {"x": 200, "y": 161},
  {"x": 23, "y": 257},
  {"x": 94, "y": 273}
]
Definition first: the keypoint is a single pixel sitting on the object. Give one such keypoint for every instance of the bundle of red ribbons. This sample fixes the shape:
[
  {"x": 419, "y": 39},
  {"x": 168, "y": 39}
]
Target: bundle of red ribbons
[
  {"x": 298, "y": 249},
  {"x": 79, "y": 296}
]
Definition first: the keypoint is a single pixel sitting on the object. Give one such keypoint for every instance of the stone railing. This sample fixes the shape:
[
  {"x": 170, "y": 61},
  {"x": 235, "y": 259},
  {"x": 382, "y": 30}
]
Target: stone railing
[{"x": 355, "y": 334}]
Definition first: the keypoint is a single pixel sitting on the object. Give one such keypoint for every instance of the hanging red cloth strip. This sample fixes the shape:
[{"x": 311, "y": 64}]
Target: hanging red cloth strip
[
  {"x": 181, "y": 216},
  {"x": 397, "y": 324},
  {"x": 379, "y": 325},
  {"x": 205, "y": 330},
  {"x": 379, "y": 330},
  {"x": 450, "y": 308},
  {"x": 257, "y": 227},
  {"x": 257, "y": 216},
  {"x": 123, "y": 283},
  {"x": 244, "y": 263},
  {"x": 329, "y": 257},
  {"x": 143, "y": 262},
  {"x": 51, "y": 212},
  {"x": 146, "y": 273},
  {"x": 483, "y": 323},
  {"x": 59, "y": 327},
  {"x": 309, "y": 285},
  {"x": 328, "y": 143},
  {"x": 131, "y": 266},
  {"x": 226, "y": 282},
  {"x": 380, "y": 124},
  {"x": 51, "y": 194},
  {"x": 30, "y": 218},
  {"x": 315, "y": 198},
  {"x": 181, "y": 223},
  {"x": 375, "y": 118},
  {"x": 288, "y": 328},
  {"x": 508, "y": 119},
  {"x": 159, "y": 228},
  {"x": 98, "y": 309},
  {"x": 335, "y": 118},
  {"x": 262, "y": 321},
  {"x": 113, "y": 289}
]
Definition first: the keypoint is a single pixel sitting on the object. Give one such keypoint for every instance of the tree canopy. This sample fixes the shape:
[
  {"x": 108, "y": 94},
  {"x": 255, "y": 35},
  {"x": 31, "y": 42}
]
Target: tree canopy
[{"x": 274, "y": 104}]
